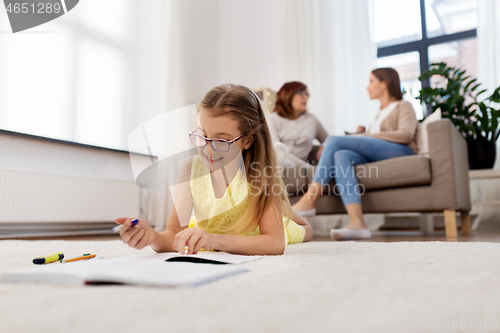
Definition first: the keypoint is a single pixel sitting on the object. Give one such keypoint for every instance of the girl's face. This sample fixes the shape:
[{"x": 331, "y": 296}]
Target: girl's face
[
  {"x": 299, "y": 101},
  {"x": 221, "y": 127},
  {"x": 376, "y": 88}
]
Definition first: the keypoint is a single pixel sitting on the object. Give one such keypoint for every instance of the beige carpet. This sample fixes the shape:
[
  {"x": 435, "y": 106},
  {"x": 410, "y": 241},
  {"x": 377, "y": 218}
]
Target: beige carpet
[{"x": 314, "y": 287}]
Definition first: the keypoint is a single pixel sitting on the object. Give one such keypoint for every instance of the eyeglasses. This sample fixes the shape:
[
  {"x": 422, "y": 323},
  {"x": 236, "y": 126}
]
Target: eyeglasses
[
  {"x": 302, "y": 93},
  {"x": 220, "y": 145}
]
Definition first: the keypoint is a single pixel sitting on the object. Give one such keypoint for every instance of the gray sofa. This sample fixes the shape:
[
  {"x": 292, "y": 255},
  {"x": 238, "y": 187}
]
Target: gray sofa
[{"x": 418, "y": 183}]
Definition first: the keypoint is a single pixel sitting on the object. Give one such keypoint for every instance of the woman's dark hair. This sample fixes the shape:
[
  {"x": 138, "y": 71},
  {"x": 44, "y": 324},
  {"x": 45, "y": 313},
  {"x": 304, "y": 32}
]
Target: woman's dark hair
[
  {"x": 391, "y": 78},
  {"x": 285, "y": 96}
]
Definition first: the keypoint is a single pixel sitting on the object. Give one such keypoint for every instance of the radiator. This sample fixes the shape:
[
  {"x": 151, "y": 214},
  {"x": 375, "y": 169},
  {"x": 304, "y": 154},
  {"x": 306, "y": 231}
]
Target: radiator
[{"x": 36, "y": 204}]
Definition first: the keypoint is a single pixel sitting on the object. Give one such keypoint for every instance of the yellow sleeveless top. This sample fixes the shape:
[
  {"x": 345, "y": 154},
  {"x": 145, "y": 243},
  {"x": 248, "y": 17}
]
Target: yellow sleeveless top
[{"x": 214, "y": 215}]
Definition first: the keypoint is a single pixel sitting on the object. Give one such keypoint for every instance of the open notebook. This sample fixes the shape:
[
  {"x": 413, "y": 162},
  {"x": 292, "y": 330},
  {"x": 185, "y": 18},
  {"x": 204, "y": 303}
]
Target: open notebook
[{"x": 162, "y": 269}]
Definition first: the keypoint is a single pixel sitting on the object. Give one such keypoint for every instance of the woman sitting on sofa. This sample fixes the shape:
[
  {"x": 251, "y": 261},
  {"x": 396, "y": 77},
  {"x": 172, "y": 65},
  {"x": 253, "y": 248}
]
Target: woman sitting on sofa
[
  {"x": 393, "y": 134},
  {"x": 292, "y": 128}
]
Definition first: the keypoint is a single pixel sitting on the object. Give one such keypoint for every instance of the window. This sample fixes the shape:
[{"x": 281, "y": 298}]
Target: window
[
  {"x": 70, "y": 78},
  {"x": 412, "y": 34}
]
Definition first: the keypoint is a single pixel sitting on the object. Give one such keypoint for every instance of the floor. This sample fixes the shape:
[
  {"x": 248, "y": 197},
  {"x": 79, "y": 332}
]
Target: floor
[{"x": 387, "y": 284}]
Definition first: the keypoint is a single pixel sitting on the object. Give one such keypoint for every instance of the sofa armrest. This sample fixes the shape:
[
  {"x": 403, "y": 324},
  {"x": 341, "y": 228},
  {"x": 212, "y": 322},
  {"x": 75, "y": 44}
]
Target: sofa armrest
[
  {"x": 449, "y": 166},
  {"x": 311, "y": 159}
]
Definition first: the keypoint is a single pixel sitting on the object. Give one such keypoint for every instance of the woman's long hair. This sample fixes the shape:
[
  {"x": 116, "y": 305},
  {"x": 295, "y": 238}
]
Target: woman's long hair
[
  {"x": 267, "y": 188},
  {"x": 391, "y": 78},
  {"x": 284, "y": 97}
]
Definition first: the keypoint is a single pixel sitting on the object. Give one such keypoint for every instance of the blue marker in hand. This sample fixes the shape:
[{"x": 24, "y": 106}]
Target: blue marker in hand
[{"x": 118, "y": 228}]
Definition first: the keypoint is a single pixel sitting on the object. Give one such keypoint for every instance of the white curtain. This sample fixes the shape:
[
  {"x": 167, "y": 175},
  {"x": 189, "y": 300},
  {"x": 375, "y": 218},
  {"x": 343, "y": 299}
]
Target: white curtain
[
  {"x": 488, "y": 37},
  {"x": 160, "y": 87},
  {"x": 328, "y": 46}
]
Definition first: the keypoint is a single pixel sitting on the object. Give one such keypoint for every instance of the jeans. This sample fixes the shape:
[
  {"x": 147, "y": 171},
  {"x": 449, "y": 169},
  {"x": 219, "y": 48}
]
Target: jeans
[{"x": 342, "y": 153}]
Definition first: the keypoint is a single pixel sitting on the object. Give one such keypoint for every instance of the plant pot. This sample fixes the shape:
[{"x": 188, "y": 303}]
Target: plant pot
[{"x": 482, "y": 154}]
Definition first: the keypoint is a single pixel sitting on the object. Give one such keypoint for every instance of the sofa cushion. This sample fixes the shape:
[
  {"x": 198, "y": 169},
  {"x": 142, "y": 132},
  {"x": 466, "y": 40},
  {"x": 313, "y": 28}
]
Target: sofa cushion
[
  {"x": 395, "y": 172},
  {"x": 422, "y": 139},
  {"x": 297, "y": 179},
  {"x": 404, "y": 171}
]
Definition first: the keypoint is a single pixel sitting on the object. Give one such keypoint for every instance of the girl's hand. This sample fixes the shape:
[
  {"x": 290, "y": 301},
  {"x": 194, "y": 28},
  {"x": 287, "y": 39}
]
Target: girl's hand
[
  {"x": 137, "y": 237},
  {"x": 195, "y": 239},
  {"x": 361, "y": 129}
]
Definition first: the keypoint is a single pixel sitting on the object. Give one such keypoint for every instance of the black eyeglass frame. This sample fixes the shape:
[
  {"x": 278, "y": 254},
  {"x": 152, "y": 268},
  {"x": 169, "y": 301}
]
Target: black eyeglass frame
[{"x": 193, "y": 136}]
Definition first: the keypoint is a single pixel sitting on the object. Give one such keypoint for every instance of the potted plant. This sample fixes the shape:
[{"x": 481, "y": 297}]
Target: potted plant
[{"x": 458, "y": 98}]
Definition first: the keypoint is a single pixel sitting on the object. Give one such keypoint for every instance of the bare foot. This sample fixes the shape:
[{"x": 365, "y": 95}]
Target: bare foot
[
  {"x": 353, "y": 226},
  {"x": 303, "y": 205},
  {"x": 358, "y": 224}
]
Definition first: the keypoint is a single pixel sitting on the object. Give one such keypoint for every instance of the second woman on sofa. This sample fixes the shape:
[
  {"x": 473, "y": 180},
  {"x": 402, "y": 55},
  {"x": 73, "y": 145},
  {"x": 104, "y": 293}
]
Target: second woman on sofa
[{"x": 392, "y": 135}]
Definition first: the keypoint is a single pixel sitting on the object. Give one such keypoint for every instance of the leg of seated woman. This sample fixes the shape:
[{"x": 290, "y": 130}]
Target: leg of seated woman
[
  {"x": 346, "y": 184},
  {"x": 370, "y": 148},
  {"x": 322, "y": 176},
  {"x": 324, "y": 173}
]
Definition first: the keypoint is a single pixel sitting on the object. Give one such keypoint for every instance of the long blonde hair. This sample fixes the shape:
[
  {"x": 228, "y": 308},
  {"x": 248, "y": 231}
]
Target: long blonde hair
[{"x": 242, "y": 105}]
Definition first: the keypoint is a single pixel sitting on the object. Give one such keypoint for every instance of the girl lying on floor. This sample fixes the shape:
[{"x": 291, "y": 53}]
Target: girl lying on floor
[{"x": 234, "y": 185}]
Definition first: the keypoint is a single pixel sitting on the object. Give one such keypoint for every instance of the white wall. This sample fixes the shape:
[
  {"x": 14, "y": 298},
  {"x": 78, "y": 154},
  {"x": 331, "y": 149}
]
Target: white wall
[
  {"x": 176, "y": 55},
  {"x": 149, "y": 82},
  {"x": 201, "y": 49},
  {"x": 251, "y": 42},
  {"x": 208, "y": 43}
]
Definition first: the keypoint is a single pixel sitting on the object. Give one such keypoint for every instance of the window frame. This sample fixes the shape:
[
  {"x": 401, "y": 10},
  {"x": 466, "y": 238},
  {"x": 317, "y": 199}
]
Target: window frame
[{"x": 422, "y": 46}]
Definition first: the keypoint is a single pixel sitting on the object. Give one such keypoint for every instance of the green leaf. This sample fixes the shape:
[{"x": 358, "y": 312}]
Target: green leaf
[
  {"x": 475, "y": 87},
  {"x": 468, "y": 84},
  {"x": 495, "y": 97},
  {"x": 481, "y": 92},
  {"x": 460, "y": 74}
]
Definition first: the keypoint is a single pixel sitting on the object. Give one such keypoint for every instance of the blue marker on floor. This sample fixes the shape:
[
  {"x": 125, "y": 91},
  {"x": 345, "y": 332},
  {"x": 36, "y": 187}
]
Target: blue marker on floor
[{"x": 118, "y": 228}]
